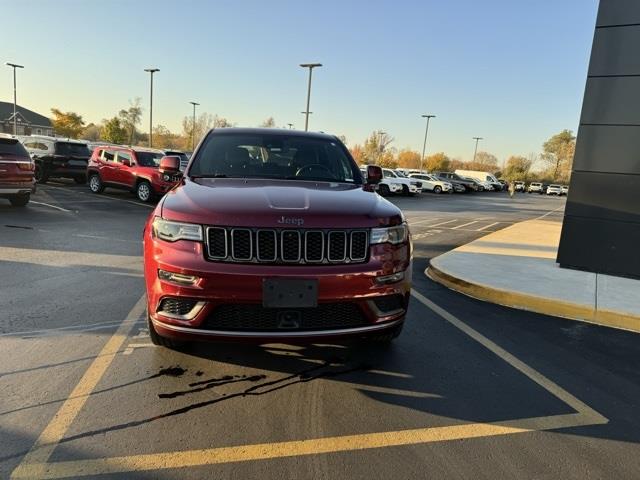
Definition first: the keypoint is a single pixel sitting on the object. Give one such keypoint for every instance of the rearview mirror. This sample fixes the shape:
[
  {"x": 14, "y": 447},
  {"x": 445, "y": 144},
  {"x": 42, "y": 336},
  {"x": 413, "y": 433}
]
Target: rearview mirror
[
  {"x": 169, "y": 164},
  {"x": 374, "y": 174}
]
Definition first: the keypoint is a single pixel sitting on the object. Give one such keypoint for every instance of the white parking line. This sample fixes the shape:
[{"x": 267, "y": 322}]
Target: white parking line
[
  {"x": 487, "y": 226},
  {"x": 463, "y": 225},
  {"x": 443, "y": 223},
  {"x": 51, "y": 206},
  {"x": 422, "y": 221}
]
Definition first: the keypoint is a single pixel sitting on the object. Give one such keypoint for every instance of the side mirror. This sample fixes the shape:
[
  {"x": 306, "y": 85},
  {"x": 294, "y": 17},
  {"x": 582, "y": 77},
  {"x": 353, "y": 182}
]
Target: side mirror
[
  {"x": 374, "y": 174},
  {"x": 169, "y": 164}
]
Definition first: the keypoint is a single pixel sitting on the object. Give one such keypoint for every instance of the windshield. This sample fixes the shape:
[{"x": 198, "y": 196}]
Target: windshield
[
  {"x": 11, "y": 146},
  {"x": 400, "y": 174},
  {"x": 74, "y": 149},
  {"x": 277, "y": 156},
  {"x": 148, "y": 159}
]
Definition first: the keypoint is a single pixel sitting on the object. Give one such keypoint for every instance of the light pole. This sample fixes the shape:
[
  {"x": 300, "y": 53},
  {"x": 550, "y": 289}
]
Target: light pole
[
  {"x": 151, "y": 71},
  {"x": 310, "y": 66},
  {"x": 477, "y": 139},
  {"x": 15, "y": 102},
  {"x": 290, "y": 125},
  {"x": 426, "y": 132},
  {"x": 193, "y": 127}
]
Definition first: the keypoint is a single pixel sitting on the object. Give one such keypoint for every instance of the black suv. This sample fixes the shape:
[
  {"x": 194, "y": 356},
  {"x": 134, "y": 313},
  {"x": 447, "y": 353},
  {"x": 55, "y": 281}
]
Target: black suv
[
  {"x": 455, "y": 179},
  {"x": 58, "y": 157}
]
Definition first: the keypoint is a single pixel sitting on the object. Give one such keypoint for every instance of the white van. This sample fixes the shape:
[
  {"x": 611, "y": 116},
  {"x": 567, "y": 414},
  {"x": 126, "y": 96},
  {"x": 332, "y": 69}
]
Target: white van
[{"x": 488, "y": 180}]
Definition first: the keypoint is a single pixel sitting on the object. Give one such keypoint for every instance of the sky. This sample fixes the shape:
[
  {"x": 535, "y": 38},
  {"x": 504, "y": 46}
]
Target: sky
[{"x": 510, "y": 71}]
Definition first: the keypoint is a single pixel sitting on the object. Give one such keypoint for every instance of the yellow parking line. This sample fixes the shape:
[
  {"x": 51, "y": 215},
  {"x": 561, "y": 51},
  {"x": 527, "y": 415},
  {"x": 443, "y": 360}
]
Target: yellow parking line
[
  {"x": 34, "y": 465},
  {"x": 519, "y": 365},
  {"x": 55, "y": 430},
  {"x": 265, "y": 451}
]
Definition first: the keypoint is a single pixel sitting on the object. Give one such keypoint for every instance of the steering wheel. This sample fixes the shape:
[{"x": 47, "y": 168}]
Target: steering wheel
[{"x": 312, "y": 167}]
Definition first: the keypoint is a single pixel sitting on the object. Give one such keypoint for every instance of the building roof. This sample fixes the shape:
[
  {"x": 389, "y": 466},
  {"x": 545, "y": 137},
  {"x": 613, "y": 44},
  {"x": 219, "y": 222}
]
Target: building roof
[{"x": 6, "y": 112}]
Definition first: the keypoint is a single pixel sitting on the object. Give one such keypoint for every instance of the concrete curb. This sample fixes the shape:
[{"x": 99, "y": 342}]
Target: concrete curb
[{"x": 536, "y": 304}]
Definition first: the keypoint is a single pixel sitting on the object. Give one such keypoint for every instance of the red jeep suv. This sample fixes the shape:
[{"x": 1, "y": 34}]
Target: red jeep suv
[
  {"x": 131, "y": 168},
  {"x": 272, "y": 235},
  {"x": 17, "y": 181}
]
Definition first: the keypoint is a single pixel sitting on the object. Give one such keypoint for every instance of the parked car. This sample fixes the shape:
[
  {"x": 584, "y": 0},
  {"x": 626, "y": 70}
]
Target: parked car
[
  {"x": 409, "y": 187},
  {"x": 480, "y": 186},
  {"x": 130, "y": 168},
  {"x": 264, "y": 251},
  {"x": 486, "y": 179},
  {"x": 535, "y": 187},
  {"x": 57, "y": 157},
  {"x": 184, "y": 159},
  {"x": 455, "y": 179},
  {"x": 384, "y": 187},
  {"x": 17, "y": 181},
  {"x": 504, "y": 183},
  {"x": 565, "y": 189},
  {"x": 432, "y": 184},
  {"x": 519, "y": 186},
  {"x": 554, "y": 190}
]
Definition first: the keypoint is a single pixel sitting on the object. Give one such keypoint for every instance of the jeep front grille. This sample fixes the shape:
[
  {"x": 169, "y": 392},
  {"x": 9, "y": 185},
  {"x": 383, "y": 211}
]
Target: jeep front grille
[{"x": 286, "y": 246}]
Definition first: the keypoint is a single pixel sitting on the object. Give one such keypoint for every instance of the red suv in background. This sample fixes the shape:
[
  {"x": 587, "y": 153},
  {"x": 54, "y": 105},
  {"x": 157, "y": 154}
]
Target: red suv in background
[
  {"x": 130, "y": 168},
  {"x": 17, "y": 181},
  {"x": 273, "y": 235}
]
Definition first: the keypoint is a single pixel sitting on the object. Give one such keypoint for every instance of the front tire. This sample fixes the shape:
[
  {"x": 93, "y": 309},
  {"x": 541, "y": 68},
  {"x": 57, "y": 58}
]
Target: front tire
[
  {"x": 437, "y": 189},
  {"x": 20, "y": 200},
  {"x": 384, "y": 190},
  {"x": 41, "y": 175},
  {"x": 162, "y": 341},
  {"x": 144, "y": 192},
  {"x": 95, "y": 183},
  {"x": 405, "y": 190}
]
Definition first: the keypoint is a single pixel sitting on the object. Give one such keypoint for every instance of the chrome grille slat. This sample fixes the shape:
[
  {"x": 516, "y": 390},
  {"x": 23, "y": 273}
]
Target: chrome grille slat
[{"x": 286, "y": 246}]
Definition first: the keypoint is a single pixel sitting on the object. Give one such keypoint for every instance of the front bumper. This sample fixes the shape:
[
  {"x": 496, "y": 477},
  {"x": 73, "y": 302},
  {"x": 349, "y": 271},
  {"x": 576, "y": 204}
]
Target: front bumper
[{"x": 230, "y": 285}]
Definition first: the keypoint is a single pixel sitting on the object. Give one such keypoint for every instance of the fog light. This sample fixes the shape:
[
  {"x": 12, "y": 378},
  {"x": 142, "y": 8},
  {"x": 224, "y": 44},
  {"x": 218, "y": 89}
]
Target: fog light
[
  {"x": 177, "y": 277},
  {"x": 386, "y": 279}
]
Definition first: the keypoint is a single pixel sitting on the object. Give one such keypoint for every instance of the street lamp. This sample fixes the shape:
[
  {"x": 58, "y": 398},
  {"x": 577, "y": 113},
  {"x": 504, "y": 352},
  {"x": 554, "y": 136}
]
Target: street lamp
[
  {"x": 15, "y": 104},
  {"x": 426, "y": 132},
  {"x": 477, "y": 139},
  {"x": 193, "y": 126},
  {"x": 151, "y": 71},
  {"x": 290, "y": 125},
  {"x": 310, "y": 66}
]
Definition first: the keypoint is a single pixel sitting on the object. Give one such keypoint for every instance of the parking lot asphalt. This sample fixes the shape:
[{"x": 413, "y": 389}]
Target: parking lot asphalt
[{"x": 470, "y": 389}]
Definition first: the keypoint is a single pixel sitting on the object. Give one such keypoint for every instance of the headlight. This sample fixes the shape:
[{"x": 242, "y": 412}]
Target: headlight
[
  {"x": 392, "y": 235},
  {"x": 174, "y": 231},
  {"x": 166, "y": 177}
]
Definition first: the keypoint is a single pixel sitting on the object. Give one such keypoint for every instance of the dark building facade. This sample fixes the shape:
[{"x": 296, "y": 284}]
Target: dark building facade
[
  {"x": 27, "y": 121},
  {"x": 601, "y": 229}
]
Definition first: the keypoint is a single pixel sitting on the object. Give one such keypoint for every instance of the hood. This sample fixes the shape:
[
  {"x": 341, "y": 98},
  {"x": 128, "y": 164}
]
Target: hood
[{"x": 277, "y": 203}]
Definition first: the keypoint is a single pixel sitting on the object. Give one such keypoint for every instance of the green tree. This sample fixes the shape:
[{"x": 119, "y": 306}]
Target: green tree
[
  {"x": 67, "y": 124},
  {"x": 558, "y": 155},
  {"x": 131, "y": 118},
  {"x": 438, "y": 162},
  {"x": 517, "y": 168},
  {"x": 113, "y": 131}
]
